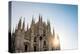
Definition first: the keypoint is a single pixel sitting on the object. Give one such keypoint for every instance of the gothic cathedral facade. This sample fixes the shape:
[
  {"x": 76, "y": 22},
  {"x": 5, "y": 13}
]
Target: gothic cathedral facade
[{"x": 37, "y": 37}]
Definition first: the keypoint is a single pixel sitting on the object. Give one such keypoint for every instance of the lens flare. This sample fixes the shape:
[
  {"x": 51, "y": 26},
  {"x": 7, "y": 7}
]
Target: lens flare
[{"x": 55, "y": 42}]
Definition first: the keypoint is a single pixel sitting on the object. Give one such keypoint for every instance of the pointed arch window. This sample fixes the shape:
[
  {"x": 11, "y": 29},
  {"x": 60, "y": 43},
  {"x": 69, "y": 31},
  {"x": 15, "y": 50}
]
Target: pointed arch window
[
  {"x": 44, "y": 43},
  {"x": 35, "y": 39}
]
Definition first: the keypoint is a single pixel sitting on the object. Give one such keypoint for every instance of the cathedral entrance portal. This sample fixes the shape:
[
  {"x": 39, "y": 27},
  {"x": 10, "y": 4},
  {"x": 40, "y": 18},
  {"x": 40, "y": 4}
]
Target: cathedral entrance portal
[
  {"x": 26, "y": 48},
  {"x": 34, "y": 48}
]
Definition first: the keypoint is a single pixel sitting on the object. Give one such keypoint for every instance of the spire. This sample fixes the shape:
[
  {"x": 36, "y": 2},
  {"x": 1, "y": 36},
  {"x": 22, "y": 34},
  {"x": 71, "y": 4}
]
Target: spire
[
  {"x": 48, "y": 22},
  {"x": 33, "y": 22},
  {"x": 48, "y": 26},
  {"x": 40, "y": 18},
  {"x": 13, "y": 30},
  {"x": 23, "y": 27},
  {"x": 32, "y": 25},
  {"x": 53, "y": 32},
  {"x": 19, "y": 24},
  {"x": 27, "y": 26}
]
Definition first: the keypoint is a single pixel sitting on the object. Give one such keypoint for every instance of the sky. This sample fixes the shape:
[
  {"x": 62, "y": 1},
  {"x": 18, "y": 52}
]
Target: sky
[{"x": 63, "y": 18}]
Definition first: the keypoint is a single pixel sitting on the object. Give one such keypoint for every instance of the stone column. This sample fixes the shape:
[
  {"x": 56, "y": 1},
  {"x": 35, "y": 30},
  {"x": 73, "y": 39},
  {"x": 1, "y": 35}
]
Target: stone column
[{"x": 32, "y": 42}]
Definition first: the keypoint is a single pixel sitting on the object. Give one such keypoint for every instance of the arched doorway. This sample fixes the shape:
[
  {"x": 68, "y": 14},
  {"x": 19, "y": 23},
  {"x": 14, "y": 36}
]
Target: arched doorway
[
  {"x": 35, "y": 48},
  {"x": 26, "y": 48}
]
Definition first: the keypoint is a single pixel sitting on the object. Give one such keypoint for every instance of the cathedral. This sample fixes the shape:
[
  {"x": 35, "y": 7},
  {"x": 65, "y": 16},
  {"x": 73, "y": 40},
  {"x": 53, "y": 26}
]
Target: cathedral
[{"x": 37, "y": 37}]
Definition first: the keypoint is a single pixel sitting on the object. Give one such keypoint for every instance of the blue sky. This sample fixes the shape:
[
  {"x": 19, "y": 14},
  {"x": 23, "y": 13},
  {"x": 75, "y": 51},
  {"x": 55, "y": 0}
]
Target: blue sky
[{"x": 63, "y": 18}]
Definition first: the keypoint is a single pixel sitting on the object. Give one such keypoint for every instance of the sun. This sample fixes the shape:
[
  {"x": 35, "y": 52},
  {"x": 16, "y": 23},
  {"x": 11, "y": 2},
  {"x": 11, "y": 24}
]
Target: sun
[{"x": 55, "y": 42}]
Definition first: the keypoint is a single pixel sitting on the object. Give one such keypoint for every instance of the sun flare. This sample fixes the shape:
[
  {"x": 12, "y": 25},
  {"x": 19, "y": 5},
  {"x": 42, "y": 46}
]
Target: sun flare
[{"x": 55, "y": 42}]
